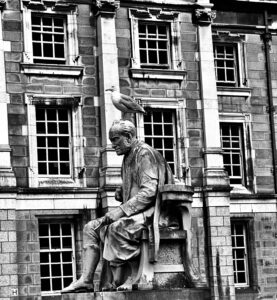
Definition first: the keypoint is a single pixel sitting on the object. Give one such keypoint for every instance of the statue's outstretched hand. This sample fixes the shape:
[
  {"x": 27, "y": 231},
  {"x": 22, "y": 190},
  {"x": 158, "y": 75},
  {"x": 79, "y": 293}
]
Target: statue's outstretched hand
[
  {"x": 118, "y": 194},
  {"x": 113, "y": 215}
]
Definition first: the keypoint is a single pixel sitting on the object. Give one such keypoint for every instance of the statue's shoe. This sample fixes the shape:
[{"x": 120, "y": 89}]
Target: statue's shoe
[{"x": 78, "y": 286}]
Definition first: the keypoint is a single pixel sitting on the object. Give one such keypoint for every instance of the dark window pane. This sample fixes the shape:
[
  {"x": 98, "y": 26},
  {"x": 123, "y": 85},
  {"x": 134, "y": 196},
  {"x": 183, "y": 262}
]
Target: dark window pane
[
  {"x": 58, "y": 22},
  {"x": 36, "y": 37},
  {"x": 59, "y": 50},
  {"x": 51, "y": 115},
  {"x": 67, "y": 281},
  {"x": 241, "y": 277},
  {"x": 55, "y": 229},
  {"x": 167, "y": 117},
  {"x": 142, "y": 44},
  {"x": 41, "y": 154},
  {"x": 153, "y": 57},
  {"x": 163, "y": 57},
  {"x": 37, "y": 49},
  {"x": 55, "y": 257},
  {"x": 67, "y": 242},
  {"x": 158, "y": 143},
  {"x": 148, "y": 141},
  {"x": 57, "y": 284},
  {"x": 35, "y": 20},
  {"x": 43, "y": 230},
  {"x": 64, "y": 155},
  {"x": 66, "y": 256},
  {"x": 168, "y": 143},
  {"x": 48, "y": 50},
  {"x": 240, "y": 253},
  {"x": 157, "y": 117},
  {"x": 45, "y": 285},
  {"x": 239, "y": 228},
  {"x": 42, "y": 168},
  {"x": 67, "y": 270},
  {"x": 55, "y": 243},
  {"x": 162, "y": 45},
  {"x": 63, "y": 128},
  {"x": 64, "y": 168},
  {"x": 158, "y": 130},
  {"x": 220, "y": 75},
  {"x": 240, "y": 241},
  {"x": 46, "y": 21},
  {"x": 143, "y": 56},
  {"x": 56, "y": 270},
  {"x": 47, "y": 37},
  {"x": 152, "y": 44},
  {"x": 169, "y": 155},
  {"x": 168, "y": 130},
  {"x": 52, "y": 127},
  {"x": 44, "y": 257},
  {"x": 63, "y": 142},
  {"x": 66, "y": 229},
  {"x": 147, "y": 129},
  {"x": 52, "y": 142},
  {"x": 236, "y": 171},
  {"x": 63, "y": 115},
  {"x": 53, "y": 155},
  {"x": 41, "y": 142},
  {"x": 44, "y": 243},
  {"x": 40, "y": 127}
]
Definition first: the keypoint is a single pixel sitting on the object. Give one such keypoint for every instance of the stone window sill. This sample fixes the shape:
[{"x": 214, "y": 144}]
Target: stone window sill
[
  {"x": 234, "y": 91},
  {"x": 158, "y": 74},
  {"x": 43, "y": 69}
]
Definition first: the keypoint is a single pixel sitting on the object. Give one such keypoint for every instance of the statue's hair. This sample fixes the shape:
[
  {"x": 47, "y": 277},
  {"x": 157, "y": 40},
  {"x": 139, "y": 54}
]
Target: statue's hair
[{"x": 124, "y": 127}]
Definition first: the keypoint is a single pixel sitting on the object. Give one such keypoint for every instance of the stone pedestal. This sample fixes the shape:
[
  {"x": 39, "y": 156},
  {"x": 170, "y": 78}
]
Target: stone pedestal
[{"x": 186, "y": 294}]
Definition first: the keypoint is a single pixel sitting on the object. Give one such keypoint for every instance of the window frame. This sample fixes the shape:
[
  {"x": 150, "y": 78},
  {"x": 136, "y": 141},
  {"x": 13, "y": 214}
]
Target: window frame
[
  {"x": 234, "y": 68},
  {"x": 43, "y": 32},
  {"x": 47, "y": 136},
  {"x": 177, "y": 106},
  {"x": 60, "y": 250},
  {"x": 246, "y": 255},
  {"x": 226, "y": 38},
  {"x": 77, "y": 148},
  {"x": 72, "y": 65},
  {"x": 176, "y": 69},
  {"x": 248, "y": 184},
  {"x": 231, "y": 151}
]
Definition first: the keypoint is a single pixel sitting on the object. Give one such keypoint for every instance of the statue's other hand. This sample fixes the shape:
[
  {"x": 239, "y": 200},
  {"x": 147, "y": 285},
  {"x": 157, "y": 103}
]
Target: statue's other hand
[
  {"x": 113, "y": 215},
  {"x": 118, "y": 194}
]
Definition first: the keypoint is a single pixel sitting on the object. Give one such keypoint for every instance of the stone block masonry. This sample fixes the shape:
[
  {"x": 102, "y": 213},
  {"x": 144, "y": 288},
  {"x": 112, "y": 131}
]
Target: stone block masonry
[{"x": 8, "y": 250}]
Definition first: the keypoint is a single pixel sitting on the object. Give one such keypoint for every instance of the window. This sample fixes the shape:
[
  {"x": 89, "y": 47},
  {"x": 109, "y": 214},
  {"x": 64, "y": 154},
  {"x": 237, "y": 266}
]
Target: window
[
  {"x": 156, "y": 44},
  {"x": 56, "y": 140},
  {"x": 233, "y": 156},
  {"x": 225, "y": 57},
  {"x": 154, "y": 41},
  {"x": 159, "y": 132},
  {"x": 48, "y": 37},
  {"x": 53, "y": 141},
  {"x": 57, "y": 267},
  {"x": 240, "y": 253}
]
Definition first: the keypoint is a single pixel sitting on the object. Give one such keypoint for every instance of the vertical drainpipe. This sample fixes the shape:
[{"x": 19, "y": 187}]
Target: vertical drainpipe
[{"x": 267, "y": 38}]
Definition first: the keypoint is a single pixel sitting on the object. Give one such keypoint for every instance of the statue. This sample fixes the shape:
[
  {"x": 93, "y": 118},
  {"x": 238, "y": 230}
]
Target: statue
[{"x": 120, "y": 230}]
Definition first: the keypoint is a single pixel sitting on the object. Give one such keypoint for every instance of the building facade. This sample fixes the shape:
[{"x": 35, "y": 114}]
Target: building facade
[{"x": 204, "y": 71}]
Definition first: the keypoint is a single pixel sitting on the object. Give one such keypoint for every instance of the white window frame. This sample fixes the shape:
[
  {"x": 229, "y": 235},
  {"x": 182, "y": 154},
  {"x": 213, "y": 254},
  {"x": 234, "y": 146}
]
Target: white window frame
[
  {"x": 77, "y": 146},
  {"x": 178, "y": 107},
  {"x": 245, "y": 120},
  {"x": 61, "y": 249},
  {"x": 176, "y": 63},
  {"x": 71, "y": 66},
  {"x": 238, "y": 42},
  {"x": 46, "y": 136},
  {"x": 245, "y": 259}
]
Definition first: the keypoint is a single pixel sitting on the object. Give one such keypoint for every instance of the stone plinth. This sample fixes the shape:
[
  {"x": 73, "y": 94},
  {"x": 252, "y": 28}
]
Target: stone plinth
[{"x": 174, "y": 294}]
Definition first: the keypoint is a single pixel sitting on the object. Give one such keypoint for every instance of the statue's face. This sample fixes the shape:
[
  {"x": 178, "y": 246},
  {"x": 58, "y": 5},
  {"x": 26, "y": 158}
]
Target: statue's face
[{"x": 120, "y": 143}]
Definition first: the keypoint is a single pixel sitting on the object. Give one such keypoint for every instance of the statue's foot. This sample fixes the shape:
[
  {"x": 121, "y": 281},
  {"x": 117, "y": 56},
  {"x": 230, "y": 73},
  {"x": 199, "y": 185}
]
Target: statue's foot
[
  {"x": 127, "y": 285},
  {"x": 109, "y": 287},
  {"x": 78, "y": 286}
]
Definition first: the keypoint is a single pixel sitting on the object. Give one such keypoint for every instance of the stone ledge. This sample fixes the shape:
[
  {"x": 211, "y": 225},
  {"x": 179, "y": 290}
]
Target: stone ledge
[{"x": 172, "y": 294}]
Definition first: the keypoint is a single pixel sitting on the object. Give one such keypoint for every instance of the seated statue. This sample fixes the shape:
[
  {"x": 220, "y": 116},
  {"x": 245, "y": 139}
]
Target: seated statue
[{"x": 120, "y": 230}]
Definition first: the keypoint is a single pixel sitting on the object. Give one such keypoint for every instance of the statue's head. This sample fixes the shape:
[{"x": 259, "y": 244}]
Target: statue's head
[{"x": 122, "y": 134}]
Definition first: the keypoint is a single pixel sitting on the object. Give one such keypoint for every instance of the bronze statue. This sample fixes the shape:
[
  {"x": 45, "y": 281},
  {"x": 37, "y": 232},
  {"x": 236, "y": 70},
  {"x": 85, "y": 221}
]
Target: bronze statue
[{"x": 120, "y": 230}]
